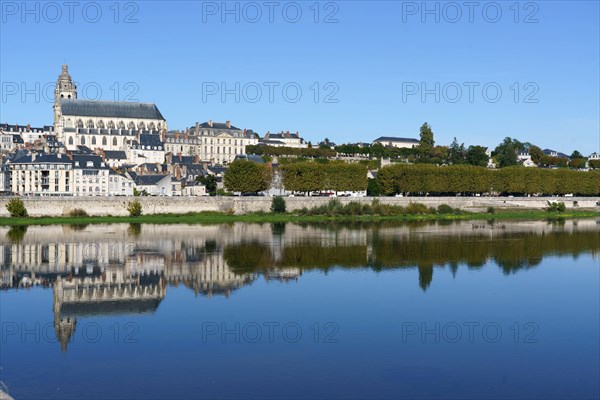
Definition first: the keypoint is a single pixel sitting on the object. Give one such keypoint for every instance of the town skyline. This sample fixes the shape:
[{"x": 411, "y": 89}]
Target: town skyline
[{"x": 364, "y": 89}]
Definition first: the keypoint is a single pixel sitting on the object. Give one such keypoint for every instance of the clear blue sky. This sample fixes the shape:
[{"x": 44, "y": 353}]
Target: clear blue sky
[{"x": 375, "y": 57}]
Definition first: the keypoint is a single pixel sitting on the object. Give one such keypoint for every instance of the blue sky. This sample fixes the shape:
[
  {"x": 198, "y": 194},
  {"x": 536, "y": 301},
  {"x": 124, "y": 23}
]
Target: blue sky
[{"x": 370, "y": 61}]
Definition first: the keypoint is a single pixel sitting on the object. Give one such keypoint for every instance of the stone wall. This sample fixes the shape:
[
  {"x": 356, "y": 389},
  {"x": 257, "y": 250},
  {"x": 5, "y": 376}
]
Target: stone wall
[{"x": 54, "y": 206}]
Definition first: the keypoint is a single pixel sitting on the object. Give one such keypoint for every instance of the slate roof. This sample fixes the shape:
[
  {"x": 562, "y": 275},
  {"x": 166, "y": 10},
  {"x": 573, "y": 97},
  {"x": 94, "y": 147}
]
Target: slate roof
[
  {"x": 43, "y": 158},
  {"x": 146, "y": 180},
  {"x": 395, "y": 139},
  {"x": 250, "y": 157},
  {"x": 115, "y": 155},
  {"x": 115, "y": 109},
  {"x": 114, "y": 307},
  {"x": 148, "y": 139},
  {"x": 83, "y": 160},
  {"x": 282, "y": 136},
  {"x": 216, "y": 125}
]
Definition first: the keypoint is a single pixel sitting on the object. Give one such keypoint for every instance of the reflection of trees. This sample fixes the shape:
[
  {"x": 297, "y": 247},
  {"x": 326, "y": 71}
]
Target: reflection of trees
[
  {"x": 16, "y": 233},
  {"x": 510, "y": 251},
  {"x": 134, "y": 230}
]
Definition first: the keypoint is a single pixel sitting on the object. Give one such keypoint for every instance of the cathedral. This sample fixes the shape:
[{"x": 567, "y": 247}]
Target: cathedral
[{"x": 106, "y": 124}]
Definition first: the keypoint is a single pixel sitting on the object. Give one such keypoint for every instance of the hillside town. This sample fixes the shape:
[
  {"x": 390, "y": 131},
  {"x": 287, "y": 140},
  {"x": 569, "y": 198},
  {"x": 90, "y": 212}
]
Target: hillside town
[{"x": 108, "y": 148}]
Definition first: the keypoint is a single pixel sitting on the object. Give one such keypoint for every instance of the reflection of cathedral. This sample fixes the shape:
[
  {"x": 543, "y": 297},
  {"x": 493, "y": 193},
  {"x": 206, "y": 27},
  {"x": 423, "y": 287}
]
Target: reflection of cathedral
[{"x": 109, "y": 291}]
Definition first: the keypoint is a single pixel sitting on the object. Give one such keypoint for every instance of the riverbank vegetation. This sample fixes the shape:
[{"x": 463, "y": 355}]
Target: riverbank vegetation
[{"x": 332, "y": 211}]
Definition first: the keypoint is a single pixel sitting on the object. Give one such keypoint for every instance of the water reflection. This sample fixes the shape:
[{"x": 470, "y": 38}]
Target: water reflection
[{"x": 125, "y": 269}]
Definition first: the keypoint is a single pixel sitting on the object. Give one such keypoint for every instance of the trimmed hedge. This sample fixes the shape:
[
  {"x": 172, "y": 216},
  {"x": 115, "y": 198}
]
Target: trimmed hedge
[{"x": 449, "y": 180}]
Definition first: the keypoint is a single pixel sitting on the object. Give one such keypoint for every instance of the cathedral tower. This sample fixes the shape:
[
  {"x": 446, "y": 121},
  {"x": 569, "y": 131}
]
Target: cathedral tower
[{"x": 65, "y": 89}]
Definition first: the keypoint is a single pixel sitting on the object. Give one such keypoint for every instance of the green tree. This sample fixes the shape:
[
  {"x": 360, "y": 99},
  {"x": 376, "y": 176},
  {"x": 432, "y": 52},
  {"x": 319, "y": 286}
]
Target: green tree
[
  {"x": 210, "y": 182},
  {"x": 426, "y": 142},
  {"x": 247, "y": 177},
  {"x": 476, "y": 156},
  {"x": 536, "y": 154},
  {"x": 506, "y": 152},
  {"x": 456, "y": 153},
  {"x": 16, "y": 208},
  {"x": 278, "y": 205},
  {"x": 134, "y": 208},
  {"x": 576, "y": 154}
]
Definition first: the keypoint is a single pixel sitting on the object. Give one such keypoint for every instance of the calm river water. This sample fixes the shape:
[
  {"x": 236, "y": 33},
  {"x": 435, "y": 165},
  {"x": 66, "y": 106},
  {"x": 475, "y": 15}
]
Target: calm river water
[{"x": 386, "y": 310}]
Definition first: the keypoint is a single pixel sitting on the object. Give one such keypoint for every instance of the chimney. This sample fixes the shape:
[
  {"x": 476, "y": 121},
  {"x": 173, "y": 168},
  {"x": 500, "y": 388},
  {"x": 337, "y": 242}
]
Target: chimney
[
  {"x": 210, "y": 123},
  {"x": 103, "y": 155},
  {"x": 163, "y": 136},
  {"x": 177, "y": 135},
  {"x": 228, "y": 123},
  {"x": 187, "y": 134},
  {"x": 197, "y": 126},
  {"x": 179, "y": 156},
  {"x": 196, "y": 159},
  {"x": 28, "y": 127}
]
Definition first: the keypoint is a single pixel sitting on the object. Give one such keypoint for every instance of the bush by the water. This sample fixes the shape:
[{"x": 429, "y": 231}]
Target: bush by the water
[
  {"x": 445, "y": 209},
  {"x": 278, "y": 205},
  {"x": 134, "y": 208},
  {"x": 78, "y": 212},
  {"x": 491, "y": 210},
  {"x": 556, "y": 207},
  {"x": 335, "y": 208},
  {"x": 16, "y": 208}
]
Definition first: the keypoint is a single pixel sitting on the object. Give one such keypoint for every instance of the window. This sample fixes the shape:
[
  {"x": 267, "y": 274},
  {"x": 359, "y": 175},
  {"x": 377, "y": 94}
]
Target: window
[
  {"x": 104, "y": 141},
  {"x": 114, "y": 141},
  {"x": 93, "y": 140},
  {"x": 71, "y": 140},
  {"x": 83, "y": 140}
]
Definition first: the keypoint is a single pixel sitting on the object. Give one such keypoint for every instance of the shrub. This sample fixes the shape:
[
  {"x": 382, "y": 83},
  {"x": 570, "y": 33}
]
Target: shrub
[
  {"x": 416, "y": 208},
  {"x": 278, "y": 205},
  {"x": 134, "y": 208},
  {"x": 444, "y": 209},
  {"x": 491, "y": 210},
  {"x": 78, "y": 212},
  {"x": 16, "y": 208},
  {"x": 556, "y": 207}
]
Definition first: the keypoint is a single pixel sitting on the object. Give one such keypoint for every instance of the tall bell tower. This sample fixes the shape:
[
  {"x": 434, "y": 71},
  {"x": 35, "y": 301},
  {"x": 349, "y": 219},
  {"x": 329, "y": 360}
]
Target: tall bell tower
[{"x": 65, "y": 89}]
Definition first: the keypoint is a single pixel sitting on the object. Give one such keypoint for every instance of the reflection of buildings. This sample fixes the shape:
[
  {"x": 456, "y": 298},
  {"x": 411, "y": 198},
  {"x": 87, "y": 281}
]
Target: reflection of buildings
[
  {"x": 107, "y": 269},
  {"x": 104, "y": 291}
]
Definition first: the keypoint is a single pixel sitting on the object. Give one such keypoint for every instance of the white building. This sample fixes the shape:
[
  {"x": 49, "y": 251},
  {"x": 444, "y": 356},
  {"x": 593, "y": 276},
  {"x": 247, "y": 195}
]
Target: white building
[
  {"x": 102, "y": 118},
  {"x": 212, "y": 142},
  {"x": 153, "y": 185},
  {"x": 285, "y": 139},
  {"x": 42, "y": 175},
  {"x": 119, "y": 184},
  {"x": 400, "y": 142},
  {"x": 146, "y": 149},
  {"x": 91, "y": 176}
]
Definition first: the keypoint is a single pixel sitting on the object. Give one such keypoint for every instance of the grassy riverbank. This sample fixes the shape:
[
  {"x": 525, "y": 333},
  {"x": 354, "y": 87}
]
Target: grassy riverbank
[{"x": 216, "y": 218}]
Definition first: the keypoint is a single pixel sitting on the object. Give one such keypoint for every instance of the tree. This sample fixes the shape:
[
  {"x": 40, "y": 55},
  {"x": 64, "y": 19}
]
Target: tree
[
  {"x": 247, "y": 177},
  {"x": 477, "y": 156},
  {"x": 278, "y": 205},
  {"x": 16, "y": 208},
  {"x": 456, "y": 153},
  {"x": 210, "y": 182},
  {"x": 506, "y": 152},
  {"x": 576, "y": 154},
  {"x": 536, "y": 154},
  {"x": 134, "y": 208},
  {"x": 426, "y": 142}
]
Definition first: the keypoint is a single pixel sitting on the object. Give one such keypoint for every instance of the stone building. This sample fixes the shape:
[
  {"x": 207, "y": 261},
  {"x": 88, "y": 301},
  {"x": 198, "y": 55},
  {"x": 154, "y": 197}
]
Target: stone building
[
  {"x": 105, "y": 121},
  {"x": 213, "y": 142},
  {"x": 42, "y": 175},
  {"x": 400, "y": 142},
  {"x": 285, "y": 139}
]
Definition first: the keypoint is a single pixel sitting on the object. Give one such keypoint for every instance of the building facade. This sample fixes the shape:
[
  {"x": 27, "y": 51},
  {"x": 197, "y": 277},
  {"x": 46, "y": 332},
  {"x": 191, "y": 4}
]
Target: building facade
[
  {"x": 212, "y": 142},
  {"x": 103, "y": 117}
]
